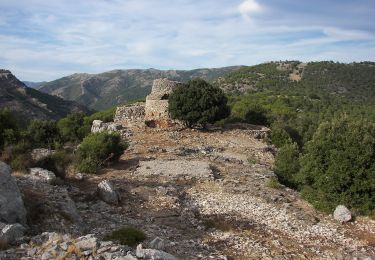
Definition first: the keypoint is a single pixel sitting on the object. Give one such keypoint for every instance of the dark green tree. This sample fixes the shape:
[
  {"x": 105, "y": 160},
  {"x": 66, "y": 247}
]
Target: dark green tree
[
  {"x": 198, "y": 103},
  {"x": 287, "y": 165},
  {"x": 339, "y": 166},
  {"x": 42, "y": 133},
  {"x": 9, "y": 129},
  {"x": 73, "y": 128}
]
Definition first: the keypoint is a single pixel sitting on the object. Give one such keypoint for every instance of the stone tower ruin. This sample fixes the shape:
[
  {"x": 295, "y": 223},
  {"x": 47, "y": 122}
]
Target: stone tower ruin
[{"x": 153, "y": 113}]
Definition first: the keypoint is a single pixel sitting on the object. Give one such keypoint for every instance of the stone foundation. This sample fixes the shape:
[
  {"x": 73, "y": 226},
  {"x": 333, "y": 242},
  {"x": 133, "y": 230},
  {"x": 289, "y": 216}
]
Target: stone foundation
[{"x": 132, "y": 115}]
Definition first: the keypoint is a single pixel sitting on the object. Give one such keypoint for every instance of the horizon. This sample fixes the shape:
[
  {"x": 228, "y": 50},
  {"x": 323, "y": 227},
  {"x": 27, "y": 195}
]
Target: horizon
[{"x": 42, "y": 41}]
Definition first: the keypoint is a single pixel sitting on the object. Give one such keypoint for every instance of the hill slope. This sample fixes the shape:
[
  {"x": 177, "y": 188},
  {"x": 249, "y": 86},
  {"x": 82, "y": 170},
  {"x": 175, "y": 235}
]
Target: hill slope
[
  {"x": 355, "y": 81},
  {"x": 31, "y": 104},
  {"x": 100, "y": 91}
]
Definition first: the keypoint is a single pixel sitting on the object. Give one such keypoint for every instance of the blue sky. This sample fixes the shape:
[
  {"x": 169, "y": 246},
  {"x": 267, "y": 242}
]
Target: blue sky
[{"x": 45, "y": 40}]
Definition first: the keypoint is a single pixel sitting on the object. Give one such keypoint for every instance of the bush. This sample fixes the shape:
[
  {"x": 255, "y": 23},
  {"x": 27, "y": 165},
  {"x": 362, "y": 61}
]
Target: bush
[
  {"x": 257, "y": 115},
  {"x": 287, "y": 165},
  {"x": 9, "y": 129},
  {"x": 279, "y": 136},
  {"x": 98, "y": 149},
  {"x": 127, "y": 236},
  {"x": 57, "y": 163},
  {"x": 43, "y": 134},
  {"x": 72, "y": 128},
  {"x": 339, "y": 166},
  {"x": 198, "y": 103}
]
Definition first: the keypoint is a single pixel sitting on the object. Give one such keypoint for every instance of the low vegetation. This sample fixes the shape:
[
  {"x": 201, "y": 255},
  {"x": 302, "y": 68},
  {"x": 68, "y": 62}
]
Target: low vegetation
[{"x": 127, "y": 236}]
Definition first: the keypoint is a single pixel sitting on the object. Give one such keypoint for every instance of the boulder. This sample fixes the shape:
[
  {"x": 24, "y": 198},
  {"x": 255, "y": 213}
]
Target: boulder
[
  {"x": 107, "y": 192},
  {"x": 43, "y": 175},
  {"x": 157, "y": 243},
  {"x": 342, "y": 214},
  {"x": 153, "y": 254},
  {"x": 12, "y": 209},
  {"x": 97, "y": 126},
  {"x": 11, "y": 232}
]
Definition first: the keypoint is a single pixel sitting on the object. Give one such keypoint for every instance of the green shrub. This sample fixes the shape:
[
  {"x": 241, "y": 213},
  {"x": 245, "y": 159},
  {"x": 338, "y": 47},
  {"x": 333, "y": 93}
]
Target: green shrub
[
  {"x": 43, "y": 134},
  {"x": 57, "y": 163},
  {"x": 98, "y": 149},
  {"x": 339, "y": 166},
  {"x": 21, "y": 162},
  {"x": 127, "y": 236},
  {"x": 198, "y": 103},
  {"x": 257, "y": 115},
  {"x": 9, "y": 129},
  {"x": 273, "y": 183},
  {"x": 287, "y": 164},
  {"x": 279, "y": 136},
  {"x": 72, "y": 128}
]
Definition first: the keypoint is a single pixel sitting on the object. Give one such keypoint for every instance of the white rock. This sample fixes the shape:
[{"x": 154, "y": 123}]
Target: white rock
[
  {"x": 157, "y": 243},
  {"x": 342, "y": 214},
  {"x": 153, "y": 254},
  {"x": 88, "y": 242},
  {"x": 97, "y": 126},
  {"x": 10, "y": 233},
  {"x": 108, "y": 193},
  {"x": 12, "y": 209},
  {"x": 43, "y": 175}
]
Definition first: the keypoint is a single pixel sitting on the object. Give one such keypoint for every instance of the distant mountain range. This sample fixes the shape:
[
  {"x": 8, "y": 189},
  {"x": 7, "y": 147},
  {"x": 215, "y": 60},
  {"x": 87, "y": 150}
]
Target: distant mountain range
[
  {"x": 100, "y": 91},
  {"x": 29, "y": 103},
  {"x": 35, "y": 85},
  {"x": 353, "y": 81}
]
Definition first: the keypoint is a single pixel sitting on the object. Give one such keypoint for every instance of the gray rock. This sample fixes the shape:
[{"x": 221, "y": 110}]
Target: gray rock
[
  {"x": 97, "y": 126},
  {"x": 153, "y": 254},
  {"x": 342, "y": 214},
  {"x": 12, "y": 209},
  {"x": 157, "y": 243},
  {"x": 87, "y": 243},
  {"x": 10, "y": 233},
  {"x": 43, "y": 175},
  {"x": 41, "y": 153},
  {"x": 108, "y": 193}
]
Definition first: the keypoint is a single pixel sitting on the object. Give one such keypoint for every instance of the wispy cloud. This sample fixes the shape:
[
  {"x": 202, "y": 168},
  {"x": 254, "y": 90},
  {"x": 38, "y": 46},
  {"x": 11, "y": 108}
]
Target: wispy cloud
[{"x": 44, "y": 40}]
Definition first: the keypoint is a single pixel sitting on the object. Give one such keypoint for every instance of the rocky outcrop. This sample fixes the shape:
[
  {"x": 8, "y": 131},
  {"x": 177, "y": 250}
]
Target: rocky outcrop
[
  {"x": 153, "y": 254},
  {"x": 107, "y": 192},
  {"x": 99, "y": 126},
  {"x": 176, "y": 169},
  {"x": 342, "y": 214},
  {"x": 12, "y": 209},
  {"x": 11, "y": 232},
  {"x": 41, "y": 153},
  {"x": 42, "y": 175}
]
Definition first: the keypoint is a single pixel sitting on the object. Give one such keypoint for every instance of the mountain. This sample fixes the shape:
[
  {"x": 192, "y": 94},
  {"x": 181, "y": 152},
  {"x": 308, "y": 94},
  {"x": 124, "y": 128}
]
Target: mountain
[
  {"x": 35, "y": 85},
  {"x": 354, "y": 81},
  {"x": 100, "y": 91},
  {"x": 31, "y": 104}
]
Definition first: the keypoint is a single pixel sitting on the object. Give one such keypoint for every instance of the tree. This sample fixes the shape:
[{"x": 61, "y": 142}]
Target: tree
[
  {"x": 72, "y": 128},
  {"x": 42, "y": 133},
  {"x": 339, "y": 166},
  {"x": 9, "y": 130},
  {"x": 198, "y": 103},
  {"x": 287, "y": 165}
]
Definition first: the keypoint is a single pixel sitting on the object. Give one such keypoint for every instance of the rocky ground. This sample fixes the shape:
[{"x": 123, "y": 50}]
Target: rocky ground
[{"x": 201, "y": 195}]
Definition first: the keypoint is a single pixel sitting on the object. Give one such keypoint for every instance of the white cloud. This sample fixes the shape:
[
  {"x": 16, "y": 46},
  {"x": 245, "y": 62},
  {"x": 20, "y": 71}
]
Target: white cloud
[{"x": 249, "y": 7}]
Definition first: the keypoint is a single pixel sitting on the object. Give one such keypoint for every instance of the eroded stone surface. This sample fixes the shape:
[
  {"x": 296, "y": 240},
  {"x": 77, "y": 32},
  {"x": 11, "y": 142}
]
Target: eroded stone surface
[
  {"x": 12, "y": 209},
  {"x": 176, "y": 169}
]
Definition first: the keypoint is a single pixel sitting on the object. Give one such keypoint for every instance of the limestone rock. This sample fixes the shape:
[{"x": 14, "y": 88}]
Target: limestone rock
[
  {"x": 12, "y": 209},
  {"x": 97, "y": 126},
  {"x": 88, "y": 242},
  {"x": 43, "y": 175},
  {"x": 11, "y": 232},
  {"x": 157, "y": 243},
  {"x": 41, "y": 153},
  {"x": 342, "y": 214},
  {"x": 153, "y": 254},
  {"x": 108, "y": 193}
]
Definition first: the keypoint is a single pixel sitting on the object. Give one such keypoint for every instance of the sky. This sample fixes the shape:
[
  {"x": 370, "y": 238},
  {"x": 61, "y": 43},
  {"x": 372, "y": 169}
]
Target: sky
[{"x": 42, "y": 40}]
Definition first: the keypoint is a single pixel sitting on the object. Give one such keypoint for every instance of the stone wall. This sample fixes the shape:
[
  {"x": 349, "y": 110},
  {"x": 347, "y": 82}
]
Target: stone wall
[
  {"x": 132, "y": 115},
  {"x": 156, "y": 109}
]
